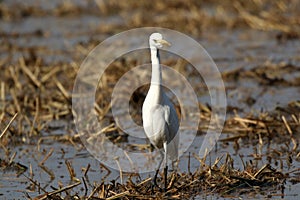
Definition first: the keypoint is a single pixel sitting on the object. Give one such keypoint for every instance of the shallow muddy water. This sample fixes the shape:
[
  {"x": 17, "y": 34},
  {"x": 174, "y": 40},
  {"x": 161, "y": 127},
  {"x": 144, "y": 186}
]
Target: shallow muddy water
[
  {"x": 244, "y": 57},
  {"x": 54, "y": 171}
]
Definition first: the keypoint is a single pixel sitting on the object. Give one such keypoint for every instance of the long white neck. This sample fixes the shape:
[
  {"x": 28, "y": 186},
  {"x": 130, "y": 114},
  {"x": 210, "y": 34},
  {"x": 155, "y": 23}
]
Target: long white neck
[{"x": 156, "y": 78}]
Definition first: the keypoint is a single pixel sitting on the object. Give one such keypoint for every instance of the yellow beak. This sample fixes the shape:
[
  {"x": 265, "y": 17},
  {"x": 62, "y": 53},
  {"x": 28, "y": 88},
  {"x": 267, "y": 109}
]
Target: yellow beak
[{"x": 164, "y": 42}]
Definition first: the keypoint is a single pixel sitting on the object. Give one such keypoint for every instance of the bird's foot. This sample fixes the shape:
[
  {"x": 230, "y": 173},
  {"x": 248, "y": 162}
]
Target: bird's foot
[{"x": 155, "y": 184}]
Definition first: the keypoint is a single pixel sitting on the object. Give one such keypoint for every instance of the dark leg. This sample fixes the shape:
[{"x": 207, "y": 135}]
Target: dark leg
[
  {"x": 166, "y": 178},
  {"x": 166, "y": 167},
  {"x": 154, "y": 178},
  {"x": 157, "y": 170}
]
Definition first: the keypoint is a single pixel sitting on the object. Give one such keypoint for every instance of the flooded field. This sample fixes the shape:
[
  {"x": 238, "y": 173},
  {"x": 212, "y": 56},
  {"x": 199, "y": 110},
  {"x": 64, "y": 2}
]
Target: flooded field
[{"x": 256, "y": 47}]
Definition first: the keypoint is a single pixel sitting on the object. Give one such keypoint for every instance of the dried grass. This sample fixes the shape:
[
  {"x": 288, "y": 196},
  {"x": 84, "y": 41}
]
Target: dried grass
[{"x": 219, "y": 178}]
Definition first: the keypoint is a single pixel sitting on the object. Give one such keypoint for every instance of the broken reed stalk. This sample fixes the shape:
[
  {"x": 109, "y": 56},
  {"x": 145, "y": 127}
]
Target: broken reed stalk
[
  {"x": 13, "y": 74},
  {"x": 120, "y": 169},
  {"x": 71, "y": 171},
  {"x": 51, "y": 73},
  {"x": 86, "y": 170},
  {"x": 2, "y": 91},
  {"x": 287, "y": 125},
  {"x": 49, "y": 194},
  {"x": 85, "y": 186},
  {"x": 27, "y": 71},
  {"x": 120, "y": 195},
  {"x": 47, "y": 157},
  {"x": 62, "y": 90},
  {"x": 48, "y": 171},
  {"x": 35, "y": 116},
  {"x": 35, "y": 183},
  {"x": 15, "y": 100},
  {"x": 8, "y": 125},
  {"x": 95, "y": 190}
]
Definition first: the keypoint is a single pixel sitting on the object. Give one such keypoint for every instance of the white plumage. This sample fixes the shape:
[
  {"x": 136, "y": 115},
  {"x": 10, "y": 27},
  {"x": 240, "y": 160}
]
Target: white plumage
[{"x": 160, "y": 120}]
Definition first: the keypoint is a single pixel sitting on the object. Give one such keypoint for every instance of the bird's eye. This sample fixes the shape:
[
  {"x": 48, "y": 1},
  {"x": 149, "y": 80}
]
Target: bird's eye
[{"x": 155, "y": 40}]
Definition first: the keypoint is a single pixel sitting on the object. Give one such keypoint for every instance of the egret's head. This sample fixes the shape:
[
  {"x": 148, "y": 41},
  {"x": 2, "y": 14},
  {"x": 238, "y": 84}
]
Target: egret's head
[{"x": 156, "y": 40}]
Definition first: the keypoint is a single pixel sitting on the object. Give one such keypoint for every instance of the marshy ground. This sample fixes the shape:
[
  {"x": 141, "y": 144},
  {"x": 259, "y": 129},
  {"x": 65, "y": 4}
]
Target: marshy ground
[{"x": 255, "y": 45}]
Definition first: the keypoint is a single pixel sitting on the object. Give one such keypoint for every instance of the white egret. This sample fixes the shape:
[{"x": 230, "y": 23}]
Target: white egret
[{"x": 160, "y": 120}]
